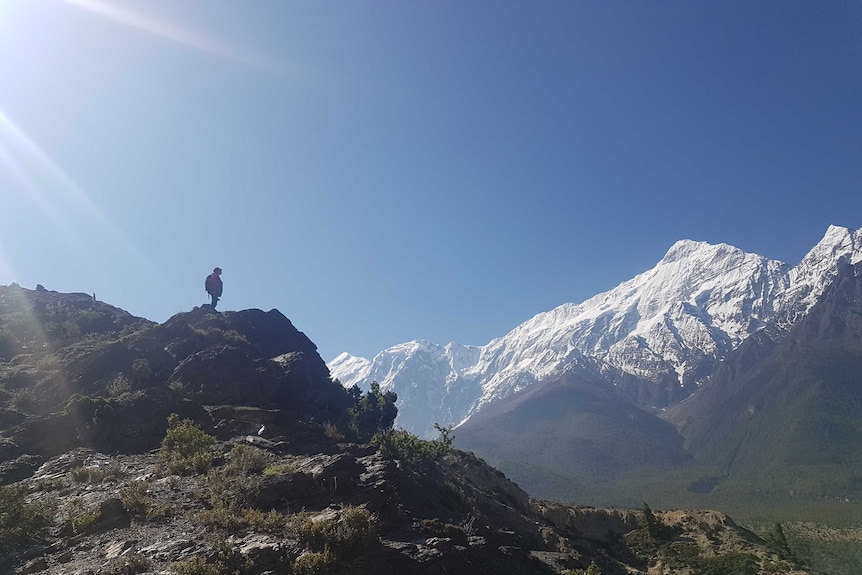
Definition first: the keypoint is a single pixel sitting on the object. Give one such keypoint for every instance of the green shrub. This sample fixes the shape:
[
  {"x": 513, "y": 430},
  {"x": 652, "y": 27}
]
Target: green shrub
[
  {"x": 226, "y": 561},
  {"x": 196, "y": 566},
  {"x": 280, "y": 469},
  {"x": 403, "y": 446},
  {"x": 330, "y": 431},
  {"x": 20, "y": 521},
  {"x": 351, "y": 534},
  {"x": 313, "y": 563},
  {"x": 82, "y": 523},
  {"x": 127, "y": 565},
  {"x": 138, "y": 502},
  {"x": 235, "y": 519},
  {"x": 119, "y": 386},
  {"x": 186, "y": 448},
  {"x": 593, "y": 569},
  {"x": 136, "y": 497},
  {"x": 218, "y": 334},
  {"x": 229, "y": 489},
  {"x": 244, "y": 460},
  {"x": 95, "y": 474}
]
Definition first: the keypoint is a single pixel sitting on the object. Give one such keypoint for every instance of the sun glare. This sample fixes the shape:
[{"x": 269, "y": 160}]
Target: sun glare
[
  {"x": 171, "y": 32},
  {"x": 54, "y": 193},
  {"x": 23, "y": 160}
]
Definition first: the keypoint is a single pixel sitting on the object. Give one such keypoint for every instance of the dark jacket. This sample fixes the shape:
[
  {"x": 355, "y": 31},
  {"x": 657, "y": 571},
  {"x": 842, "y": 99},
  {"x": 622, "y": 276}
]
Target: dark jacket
[{"x": 214, "y": 285}]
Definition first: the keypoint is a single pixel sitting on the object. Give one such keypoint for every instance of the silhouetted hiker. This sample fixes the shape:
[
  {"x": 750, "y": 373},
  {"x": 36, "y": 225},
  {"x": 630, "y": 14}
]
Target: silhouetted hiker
[{"x": 214, "y": 286}]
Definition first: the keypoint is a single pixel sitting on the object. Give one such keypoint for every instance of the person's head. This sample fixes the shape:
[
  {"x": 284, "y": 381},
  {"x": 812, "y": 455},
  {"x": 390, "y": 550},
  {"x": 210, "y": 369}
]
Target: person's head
[{"x": 217, "y": 271}]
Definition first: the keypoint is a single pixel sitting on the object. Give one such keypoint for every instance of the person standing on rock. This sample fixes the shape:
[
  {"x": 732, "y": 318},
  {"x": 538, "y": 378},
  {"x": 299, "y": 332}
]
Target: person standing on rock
[{"x": 214, "y": 286}]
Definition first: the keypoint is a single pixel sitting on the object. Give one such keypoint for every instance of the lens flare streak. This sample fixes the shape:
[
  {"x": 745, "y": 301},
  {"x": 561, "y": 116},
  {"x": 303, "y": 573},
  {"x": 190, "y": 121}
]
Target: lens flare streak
[
  {"x": 54, "y": 193},
  {"x": 171, "y": 32}
]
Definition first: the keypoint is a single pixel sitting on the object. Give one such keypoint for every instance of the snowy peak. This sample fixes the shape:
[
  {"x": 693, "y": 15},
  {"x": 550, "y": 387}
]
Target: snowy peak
[
  {"x": 350, "y": 369},
  {"x": 687, "y": 250},
  {"x": 808, "y": 279},
  {"x": 661, "y": 325},
  {"x": 669, "y": 327},
  {"x": 839, "y": 246}
]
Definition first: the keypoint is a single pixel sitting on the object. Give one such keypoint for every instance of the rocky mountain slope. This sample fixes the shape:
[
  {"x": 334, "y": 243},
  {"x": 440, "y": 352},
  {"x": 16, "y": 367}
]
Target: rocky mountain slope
[
  {"x": 572, "y": 438},
  {"x": 788, "y": 408},
  {"x": 775, "y": 427},
  {"x": 661, "y": 333},
  {"x": 217, "y": 443}
]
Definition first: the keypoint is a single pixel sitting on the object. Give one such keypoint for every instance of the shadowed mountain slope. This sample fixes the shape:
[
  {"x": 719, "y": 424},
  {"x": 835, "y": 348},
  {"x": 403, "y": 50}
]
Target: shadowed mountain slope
[
  {"x": 786, "y": 414},
  {"x": 572, "y": 438}
]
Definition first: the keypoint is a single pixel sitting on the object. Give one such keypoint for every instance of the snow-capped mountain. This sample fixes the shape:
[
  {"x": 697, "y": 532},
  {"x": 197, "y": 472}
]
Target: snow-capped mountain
[
  {"x": 669, "y": 326},
  {"x": 428, "y": 379}
]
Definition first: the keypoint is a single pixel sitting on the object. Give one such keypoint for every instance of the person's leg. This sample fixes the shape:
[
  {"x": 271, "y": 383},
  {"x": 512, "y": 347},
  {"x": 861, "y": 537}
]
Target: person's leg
[{"x": 215, "y": 300}]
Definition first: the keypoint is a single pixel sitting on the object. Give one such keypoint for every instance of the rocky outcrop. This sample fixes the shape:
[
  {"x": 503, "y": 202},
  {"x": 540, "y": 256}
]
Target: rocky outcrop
[
  {"x": 455, "y": 515},
  {"x": 112, "y": 386}
]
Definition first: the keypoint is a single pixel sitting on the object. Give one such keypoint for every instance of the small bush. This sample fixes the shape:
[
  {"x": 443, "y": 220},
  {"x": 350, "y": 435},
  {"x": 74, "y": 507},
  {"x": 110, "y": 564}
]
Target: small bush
[
  {"x": 235, "y": 519},
  {"x": 186, "y": 448},
  {"x": 138, "y": 502},
  {"x": 330, "y": 431},
  {"x": 196, "y": 566},
  {"x": 312, "y": 563},
  {"x": 403, "y": 446},
  {"x": 280, "y": 469},
  {"x": 82, "y": 523},
  {"x": 593, "y": 569},
  {"x": 245, "y": 460},
  {"x": 351, "y": 534},
  {"x": 218, "y": 334},
  {"x": 226, "y": 561},
  {"x": 136, "y": 498},
  {"x": 127, "y": 565},
  {"x": 231, "y": 490},
  {"x": 119, "y": 386},
  {"x": 52, "y": 484},
  {"x": 20, "y": 521},
  {"x": 95, "y": 474}
]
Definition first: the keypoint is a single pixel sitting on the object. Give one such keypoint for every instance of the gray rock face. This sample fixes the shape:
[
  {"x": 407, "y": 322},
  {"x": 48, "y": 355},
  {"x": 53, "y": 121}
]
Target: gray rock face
[{"x": 114, "y": 389}]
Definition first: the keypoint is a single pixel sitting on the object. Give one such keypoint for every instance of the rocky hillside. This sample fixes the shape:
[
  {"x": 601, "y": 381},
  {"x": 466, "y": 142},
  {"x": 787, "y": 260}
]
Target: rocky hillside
[{"x": 217, "y": 443}]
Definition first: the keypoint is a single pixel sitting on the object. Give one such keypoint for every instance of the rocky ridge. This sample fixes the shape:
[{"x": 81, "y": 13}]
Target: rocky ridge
[{"x": 85, "y": 395}]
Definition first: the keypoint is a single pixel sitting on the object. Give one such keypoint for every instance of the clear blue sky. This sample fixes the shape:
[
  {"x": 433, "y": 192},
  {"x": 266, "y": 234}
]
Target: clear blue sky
[{"x": 388, "y": 170}]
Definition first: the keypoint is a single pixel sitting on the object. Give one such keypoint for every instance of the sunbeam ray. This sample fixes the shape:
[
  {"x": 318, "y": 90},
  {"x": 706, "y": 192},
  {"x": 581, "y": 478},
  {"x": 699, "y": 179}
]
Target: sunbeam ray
[
  {"x": 54, "y": 192},
  {"x": 24, "y": 177},
  {"x": 173, "y": 33}
]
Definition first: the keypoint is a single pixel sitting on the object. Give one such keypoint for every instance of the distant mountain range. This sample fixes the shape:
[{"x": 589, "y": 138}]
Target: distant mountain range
[
  {"x": 718, "y": 378},
  {"x": 655, "y": 339},
  {"x": 776, "y": 425}
]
